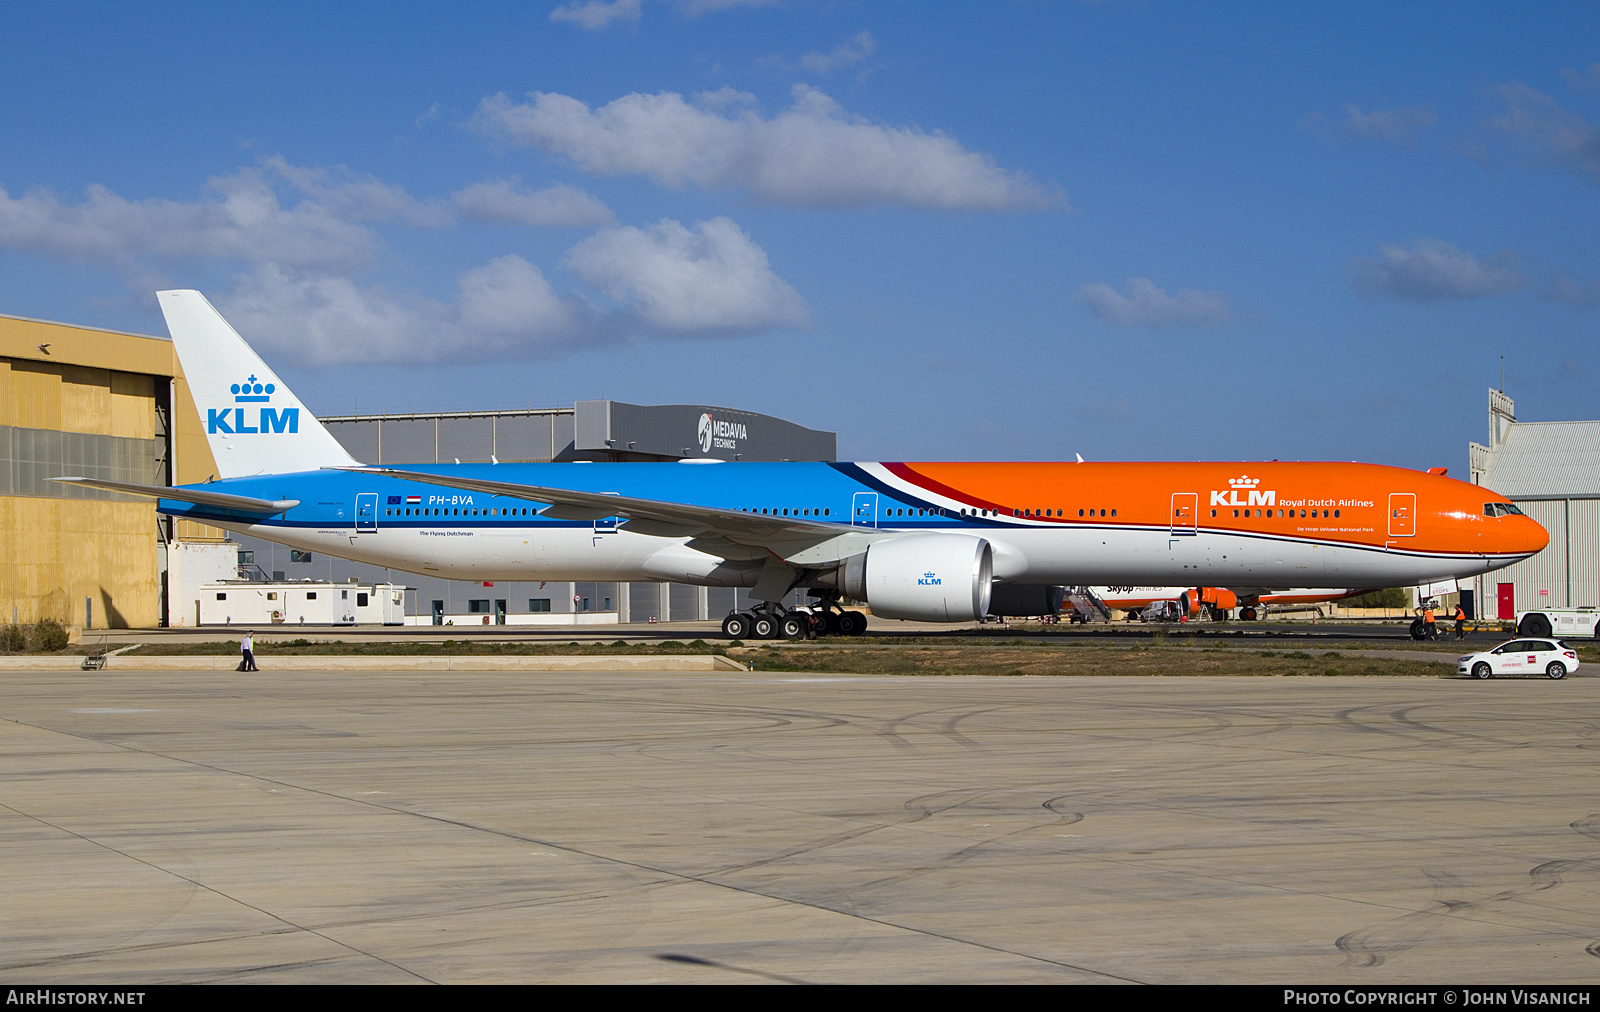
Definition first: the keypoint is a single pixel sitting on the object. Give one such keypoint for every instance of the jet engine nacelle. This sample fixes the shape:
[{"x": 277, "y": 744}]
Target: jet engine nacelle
[
  {"x": 1026, "y": 600},
  {"x": 926, "y": 577},
  {"x": 1220, "y": 598}
]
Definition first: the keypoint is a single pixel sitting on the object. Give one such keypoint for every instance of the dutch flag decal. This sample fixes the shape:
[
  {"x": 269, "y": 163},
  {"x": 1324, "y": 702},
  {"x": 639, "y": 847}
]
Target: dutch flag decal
[{"x": 413, "y": 499}]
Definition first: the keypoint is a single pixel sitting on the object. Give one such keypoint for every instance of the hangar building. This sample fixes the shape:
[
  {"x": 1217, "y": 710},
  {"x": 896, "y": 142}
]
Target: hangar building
[
  {"x": 103, "y": 404},
  {"x": 1551, "y": 470}
]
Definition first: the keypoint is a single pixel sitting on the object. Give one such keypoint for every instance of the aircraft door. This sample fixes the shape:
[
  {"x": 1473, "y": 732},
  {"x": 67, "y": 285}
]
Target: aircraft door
[
  {"x": 1185, "y": 513},
  {"x": 1402, "y": 514},
  {"x": 1506, "y": 601},
  {"x": 366, "y": 512},
  {"x": 864, "y": 509},
  {"x": 605, "y": 525}
]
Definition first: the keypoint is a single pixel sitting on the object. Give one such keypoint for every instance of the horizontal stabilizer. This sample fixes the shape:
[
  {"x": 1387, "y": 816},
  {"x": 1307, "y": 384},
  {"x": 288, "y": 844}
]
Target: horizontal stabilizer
[{"x": 245, "y": 503}]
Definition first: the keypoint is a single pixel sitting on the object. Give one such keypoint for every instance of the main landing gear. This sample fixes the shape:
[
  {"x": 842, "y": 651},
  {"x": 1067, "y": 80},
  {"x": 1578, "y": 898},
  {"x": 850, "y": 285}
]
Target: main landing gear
[{"x": 770, "y": 620}]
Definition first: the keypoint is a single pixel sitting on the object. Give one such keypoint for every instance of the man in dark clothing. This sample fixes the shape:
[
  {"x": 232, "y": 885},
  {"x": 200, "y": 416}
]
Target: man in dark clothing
[{"x": 247, "y": 647}]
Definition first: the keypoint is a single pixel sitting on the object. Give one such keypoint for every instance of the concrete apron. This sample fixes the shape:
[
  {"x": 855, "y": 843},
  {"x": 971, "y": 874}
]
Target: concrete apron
[{"x": 697, "y": 662}]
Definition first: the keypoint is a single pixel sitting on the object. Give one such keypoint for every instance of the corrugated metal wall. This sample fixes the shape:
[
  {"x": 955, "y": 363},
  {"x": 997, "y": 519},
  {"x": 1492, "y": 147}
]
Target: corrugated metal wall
[
  {"x": 1567, "y": 573},
  {"x": 1585, "y": 548}
]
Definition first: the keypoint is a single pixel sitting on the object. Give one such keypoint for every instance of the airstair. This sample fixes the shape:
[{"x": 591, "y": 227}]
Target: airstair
[{"x": 1079, "y": 604}]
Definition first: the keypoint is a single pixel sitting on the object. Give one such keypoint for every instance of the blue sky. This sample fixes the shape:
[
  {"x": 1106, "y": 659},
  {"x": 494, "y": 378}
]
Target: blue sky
[{"x": 1131, "y": 230}]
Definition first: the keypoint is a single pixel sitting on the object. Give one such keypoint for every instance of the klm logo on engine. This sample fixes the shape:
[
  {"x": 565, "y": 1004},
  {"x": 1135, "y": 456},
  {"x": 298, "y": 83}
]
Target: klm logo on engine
[
  {"x": 928, "y": 580},
  {"x": 1252, "y": 497},
  {"x": 237, "y": 421}
]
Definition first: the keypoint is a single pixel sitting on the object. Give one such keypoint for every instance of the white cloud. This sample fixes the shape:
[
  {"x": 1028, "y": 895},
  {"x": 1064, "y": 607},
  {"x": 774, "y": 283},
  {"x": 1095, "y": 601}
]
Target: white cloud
[
  {"x": 596, "y": 15},
  {"x": 1577, "y": 294},
  {"x": 303, "y": 244},
  {"x": 1145, "y": 305},
  {"x": 1564, "y": 136},
  {"x": 239, "y": 217},
  {"x": 1433, "y": 271},
  {"x": 1587, "y": 79},
  {"x": 353, "y": 197},
  {"x": 501, "y": 202},
  {"x": 709, "y": 280},
  {"x": 846, "y": 54},
  {"x": 504, "y": 309},
  {"x": 1400, "y": 124},
  {"x": 812, "y": 154}
]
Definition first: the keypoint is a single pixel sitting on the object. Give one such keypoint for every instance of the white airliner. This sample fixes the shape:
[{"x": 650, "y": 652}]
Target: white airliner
[
  {"x": 1226, "y": 599},
  {"x": 928, "y": 541}
]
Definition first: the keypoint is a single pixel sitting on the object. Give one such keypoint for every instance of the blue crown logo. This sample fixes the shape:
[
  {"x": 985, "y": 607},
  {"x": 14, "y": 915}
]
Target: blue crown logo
[{"x": 250, "y": 390}]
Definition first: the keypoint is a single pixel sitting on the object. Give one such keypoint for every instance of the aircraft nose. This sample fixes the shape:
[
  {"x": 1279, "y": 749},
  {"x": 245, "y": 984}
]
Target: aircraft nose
[{"x": 1530, "y": 536}]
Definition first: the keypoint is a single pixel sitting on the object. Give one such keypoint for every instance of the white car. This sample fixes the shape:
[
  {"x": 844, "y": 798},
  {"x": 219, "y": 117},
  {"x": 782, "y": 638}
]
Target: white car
[{"x": 1521, "y": 657}]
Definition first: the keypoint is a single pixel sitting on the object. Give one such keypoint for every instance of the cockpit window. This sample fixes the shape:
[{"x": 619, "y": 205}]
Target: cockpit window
[{"x": 1501, "y": 509}]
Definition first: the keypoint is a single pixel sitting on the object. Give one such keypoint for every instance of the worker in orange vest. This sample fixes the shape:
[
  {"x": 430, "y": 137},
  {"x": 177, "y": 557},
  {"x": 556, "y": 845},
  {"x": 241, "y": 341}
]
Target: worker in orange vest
[
  {"x": 1461, "y": 622},
  {"x": 1430, "y": 627}
]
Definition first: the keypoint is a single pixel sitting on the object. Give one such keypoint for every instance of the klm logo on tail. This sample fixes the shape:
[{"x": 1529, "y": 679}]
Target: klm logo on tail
[{"x": 233, "y": 420}]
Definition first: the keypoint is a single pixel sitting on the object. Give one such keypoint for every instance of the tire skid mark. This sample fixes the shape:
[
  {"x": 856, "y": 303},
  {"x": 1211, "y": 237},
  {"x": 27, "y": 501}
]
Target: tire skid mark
[
  {"x": 1403, "y": 715},
  {"x": 962, "y": 855},
  {"x": 1371, "y": 946},
  {"x": 633, "y": 865},
  {"x": 949, "y": 729},
  {"x": 918, "y": 806}
]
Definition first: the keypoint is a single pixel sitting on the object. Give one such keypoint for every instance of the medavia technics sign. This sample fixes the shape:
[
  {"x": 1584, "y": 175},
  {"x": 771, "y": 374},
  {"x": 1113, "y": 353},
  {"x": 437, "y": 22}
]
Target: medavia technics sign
[{"x": 696, "y": 430}]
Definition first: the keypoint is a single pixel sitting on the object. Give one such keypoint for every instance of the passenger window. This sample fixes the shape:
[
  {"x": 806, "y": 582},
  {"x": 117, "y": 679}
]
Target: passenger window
[
  {"x": 1336, "y": 513},
  {"x": 1080, "y": 513},
  {"x": 1113, "y": 512},
  {"x": 1235, "y": 512}
]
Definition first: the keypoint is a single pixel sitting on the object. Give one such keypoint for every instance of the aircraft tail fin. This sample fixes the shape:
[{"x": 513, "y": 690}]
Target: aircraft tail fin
[{"x": 254, "y": 423}]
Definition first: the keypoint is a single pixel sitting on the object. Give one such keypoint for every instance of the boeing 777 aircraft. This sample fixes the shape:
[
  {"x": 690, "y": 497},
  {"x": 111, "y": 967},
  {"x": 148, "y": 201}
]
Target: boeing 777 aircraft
[{"x": 914, "y": 541}]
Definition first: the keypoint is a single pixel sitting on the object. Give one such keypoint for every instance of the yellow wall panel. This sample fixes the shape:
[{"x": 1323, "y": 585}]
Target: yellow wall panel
[
  {"x": 57, "y": 552},
  {"x": 100, "y": 349},
  {"x": 195, "y": 462},
  {"x": 133, "y": 399},
  {"x": 34, "y": 398},
  {"x": 86, "y": 399}
]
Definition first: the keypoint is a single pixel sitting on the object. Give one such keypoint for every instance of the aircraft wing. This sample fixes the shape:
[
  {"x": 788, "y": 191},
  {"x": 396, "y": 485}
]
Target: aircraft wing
[
  {"x": 199, "y": 497},
  {"x": 644, "y": 516}
]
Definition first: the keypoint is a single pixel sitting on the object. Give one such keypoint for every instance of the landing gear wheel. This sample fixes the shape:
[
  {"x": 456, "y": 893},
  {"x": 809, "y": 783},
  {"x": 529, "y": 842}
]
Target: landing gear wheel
[
  {"x": 861, "y": 622},
  {"x": 1418, "y": 631},
  {"x": 794, "y": 627},
  {"x": 1482, "y": 670},
  {"x": 736, "y": 626},
  {"x": 848, "y": 623},
  {"x": 763, "y": 627},
  {"x": 1556, "y": 670}
]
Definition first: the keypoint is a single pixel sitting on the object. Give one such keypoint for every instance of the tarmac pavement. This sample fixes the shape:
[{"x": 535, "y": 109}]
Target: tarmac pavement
[{"x": 306, "y": 826}]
